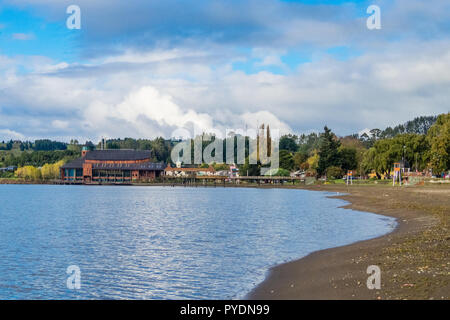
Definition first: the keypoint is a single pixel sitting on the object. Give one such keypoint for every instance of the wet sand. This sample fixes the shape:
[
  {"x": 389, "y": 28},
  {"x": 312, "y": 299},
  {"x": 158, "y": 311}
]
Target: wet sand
[{"x": 414, "y": 259}]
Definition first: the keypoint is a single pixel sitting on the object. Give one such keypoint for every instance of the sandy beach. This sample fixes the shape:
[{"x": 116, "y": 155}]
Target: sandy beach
[{"x": 414, "y": 259}]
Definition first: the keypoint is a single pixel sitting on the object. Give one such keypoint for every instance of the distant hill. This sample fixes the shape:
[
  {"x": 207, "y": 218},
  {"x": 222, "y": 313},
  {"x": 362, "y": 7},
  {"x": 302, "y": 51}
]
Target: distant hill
[{"x": 419, "y": 125}]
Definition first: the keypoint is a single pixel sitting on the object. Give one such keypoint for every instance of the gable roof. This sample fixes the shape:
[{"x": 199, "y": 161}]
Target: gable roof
[
  {"x": 78, "y": 164},
  {"x": 117, "y": 155}
]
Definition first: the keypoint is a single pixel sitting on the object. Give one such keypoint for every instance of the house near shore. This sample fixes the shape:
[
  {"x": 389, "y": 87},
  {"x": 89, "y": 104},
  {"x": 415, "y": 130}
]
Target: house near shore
[
  {"x": 298, "y": 174},
  {"x": 112, "y": 166},
  {"x": 222, "y": 173},
  {"x": 8, "y": 169},
  {"x": 234, "y": 171}
]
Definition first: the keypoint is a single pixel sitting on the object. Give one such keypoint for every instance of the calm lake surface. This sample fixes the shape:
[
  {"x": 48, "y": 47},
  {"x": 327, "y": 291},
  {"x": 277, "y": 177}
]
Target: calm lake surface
[{"x": 163, "y": 242}]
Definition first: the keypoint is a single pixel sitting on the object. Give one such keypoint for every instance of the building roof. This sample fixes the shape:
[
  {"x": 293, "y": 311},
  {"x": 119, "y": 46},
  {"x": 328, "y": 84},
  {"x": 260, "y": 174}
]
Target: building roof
[
  {"x": 117, "y": 155},
  {"x": 75, "y": 164},
  {"x": 10, "y": 168}
]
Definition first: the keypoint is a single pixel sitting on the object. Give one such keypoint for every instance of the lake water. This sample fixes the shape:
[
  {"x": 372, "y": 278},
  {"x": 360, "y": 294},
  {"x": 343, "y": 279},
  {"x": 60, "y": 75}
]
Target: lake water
[{"x": 163, "y": 242}]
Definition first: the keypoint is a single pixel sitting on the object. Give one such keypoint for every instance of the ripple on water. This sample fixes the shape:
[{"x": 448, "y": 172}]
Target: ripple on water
[{"x": 163, "y": 243}]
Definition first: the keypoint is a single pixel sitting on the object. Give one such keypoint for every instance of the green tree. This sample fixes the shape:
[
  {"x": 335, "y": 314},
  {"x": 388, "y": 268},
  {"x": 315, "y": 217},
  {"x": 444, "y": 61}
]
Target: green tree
[
  {"x": 160, "y": 149},
  {"x": 328, "y": 151},
  {"x": 439, "y": 139},
  {"x": 221, "y": 166},
  {"x": 48, "y": 145},
  {"x": 334, "y": 172},
  {"x": 289, "y": 143},
  {"x": 286, "y": 160},
  {"x": 308, "y": 143},
  {"x": 348, "y": 160},
  {"x": 381, "y": 157},
  {"x": 299, "y": 160},
  {"x": 280, "y": 172},
  {"x": 250, "y": 169}
]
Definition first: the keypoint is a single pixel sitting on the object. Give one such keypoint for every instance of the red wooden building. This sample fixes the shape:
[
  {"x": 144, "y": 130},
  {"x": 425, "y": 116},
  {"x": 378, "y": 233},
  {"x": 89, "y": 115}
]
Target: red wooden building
[{"x": 112, "y": 166}]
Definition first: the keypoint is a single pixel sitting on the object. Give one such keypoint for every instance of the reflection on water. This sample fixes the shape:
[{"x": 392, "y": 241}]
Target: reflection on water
[{"x": 162, "y": 242}]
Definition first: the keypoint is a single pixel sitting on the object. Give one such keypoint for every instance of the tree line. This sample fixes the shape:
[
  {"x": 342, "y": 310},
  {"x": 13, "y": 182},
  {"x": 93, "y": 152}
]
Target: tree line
[
  {"x": 423, "y": 142},
  {"x": 36, "y": 158},
  {"x": 37, "y": 145}
]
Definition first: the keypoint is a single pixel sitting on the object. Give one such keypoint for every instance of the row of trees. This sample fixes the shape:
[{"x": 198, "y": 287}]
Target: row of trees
[
  {"x": 46, "y": 172},
  {"x": 38, "y": 145},
  {"x": 318, "y": 153},
  {"x": 160, "y": 147},
  {"x": 424, "y": 142},
  {"x": 36, "y": 158},
  {"x": 327, "y": 154},
  {"x": 421, "y": 151}
]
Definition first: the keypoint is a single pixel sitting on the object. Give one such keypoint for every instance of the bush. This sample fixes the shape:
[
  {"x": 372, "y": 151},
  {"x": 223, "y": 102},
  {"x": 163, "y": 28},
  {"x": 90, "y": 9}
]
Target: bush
[
  {"x": 220, "y": 166},
  {"x": 311, "y": 172},
  {"x": 334, "y": 172},
  {"x": 28, "y": 173},
  {"x": 278, "y": 173},
  {"x": 51, "y": 171},
  {"x": 47, "y": 172},
  {"x": 7, "y": 174}
]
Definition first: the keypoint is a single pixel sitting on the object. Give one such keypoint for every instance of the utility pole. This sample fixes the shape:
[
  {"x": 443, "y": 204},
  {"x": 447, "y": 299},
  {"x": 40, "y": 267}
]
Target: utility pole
[
  {"x": 416, "y": 164},
  {"x": 404, "y": 147}
]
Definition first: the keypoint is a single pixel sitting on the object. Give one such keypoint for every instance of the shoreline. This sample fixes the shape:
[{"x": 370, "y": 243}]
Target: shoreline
[{"x": 340, "y": 272}]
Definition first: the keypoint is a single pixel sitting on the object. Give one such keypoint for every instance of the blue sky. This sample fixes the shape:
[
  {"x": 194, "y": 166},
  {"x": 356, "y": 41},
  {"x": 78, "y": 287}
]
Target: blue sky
[
  {"x": 45, "y": 38},
  {"x": 47, "y": 35},
  {"x": 217, "y": 64}
]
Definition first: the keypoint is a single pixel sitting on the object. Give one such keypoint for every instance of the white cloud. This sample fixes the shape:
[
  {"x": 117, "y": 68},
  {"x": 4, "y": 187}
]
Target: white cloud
[
  {"x": 136, "y": 98},
  {"x": 158, "y": 55},
  {"x": 252, "y": 119},
  {"x": 147, "y": 103},
  {"x": 365, "y": 131},
  {"x": 60, "y": 124},
  {"x": 148, "y": 113},
  {"x": 23, "y": 36},
  {"x": 7, "y": 134},
  {"x": 268, "y": 57}
]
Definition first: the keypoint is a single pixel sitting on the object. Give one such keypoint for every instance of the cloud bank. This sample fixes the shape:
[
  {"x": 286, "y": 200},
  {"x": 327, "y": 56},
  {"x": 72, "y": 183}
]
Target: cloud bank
[{"x": 148, "y": 68}]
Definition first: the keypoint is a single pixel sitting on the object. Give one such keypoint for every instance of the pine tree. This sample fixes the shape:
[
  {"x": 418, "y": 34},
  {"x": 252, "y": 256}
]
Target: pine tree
[{"x": 328, "y": 151}]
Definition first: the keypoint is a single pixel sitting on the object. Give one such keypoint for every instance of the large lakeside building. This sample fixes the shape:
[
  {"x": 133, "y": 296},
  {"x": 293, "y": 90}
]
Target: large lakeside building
[{"x": 112, "y": 166}]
